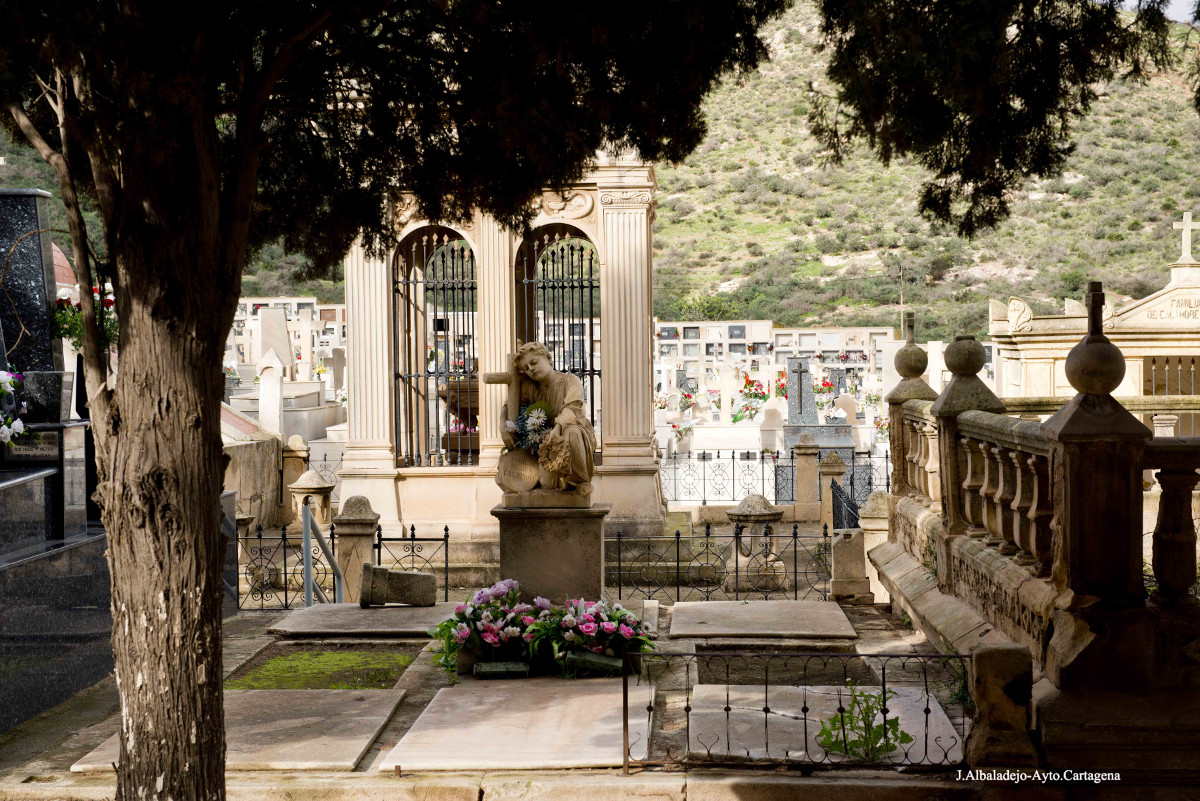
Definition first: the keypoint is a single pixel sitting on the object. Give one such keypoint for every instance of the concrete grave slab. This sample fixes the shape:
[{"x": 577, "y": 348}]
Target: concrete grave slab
[
  {"x": 784, "y": 619},
  {"x": 744, "y": 732},
  {"x": 288, "y": 729},
  {"x": 531, "y": 724},
  {"x": 351, "y": 620}
]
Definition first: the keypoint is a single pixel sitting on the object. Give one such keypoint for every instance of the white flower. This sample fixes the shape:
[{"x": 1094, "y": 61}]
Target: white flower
[
  {"x": 536, "y": 417},
  {"x": 569, "y": 636},
  {"x": 5, "y": 433},
  {"x": 568, "y": 622},
  {"x": 64, "y": 294},
  {"x": 512, "y": 631},
  {"x": 510, "y": 425},
  {"x": 18, "y": 427}
]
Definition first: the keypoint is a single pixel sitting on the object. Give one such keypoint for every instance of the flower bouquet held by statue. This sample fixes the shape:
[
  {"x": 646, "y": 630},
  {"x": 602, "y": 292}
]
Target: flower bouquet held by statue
[{"x": 549, "y": 440}]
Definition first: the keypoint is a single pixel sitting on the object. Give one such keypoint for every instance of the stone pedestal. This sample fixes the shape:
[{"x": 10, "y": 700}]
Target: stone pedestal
[
  {"x": 555, "y": 553},
  {"x": 849, "y": 583},
  {"x": 355, "y": 527}
]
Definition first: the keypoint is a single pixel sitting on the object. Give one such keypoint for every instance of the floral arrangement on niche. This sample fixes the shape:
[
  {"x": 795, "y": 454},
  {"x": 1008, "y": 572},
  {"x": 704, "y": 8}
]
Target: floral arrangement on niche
[
  {"x": 531, "y": 426},
  {"x": 781, "y": 387},
  {"x": 843, "y": 356},
  {"x": 459, "y": 427},
  {"x": 232, "y": 375},
  {"x": 823, "y": 392},
  {"x": 873, "y": 399},
  {"x": 686, "y": 401},
  {"x": 882, "y": 427},
  {"x": 662, "y": 401},
  {"x": 714, "y": 398},
  {"x": 68, "y": 317},
  {"x": 682, "y": 432},
  {"x": 320, "y": 370},
  {"x": 747, "y": 411},
  {"x": 754, "y": 391},
  {"x": 494, "y": 624},
  {"x": 11, "y": 425}
]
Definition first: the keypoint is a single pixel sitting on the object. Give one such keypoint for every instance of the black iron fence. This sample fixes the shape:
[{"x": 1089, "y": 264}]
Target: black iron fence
[
  {"x": 727, "y": 478},
  {"x": 809, "y": 710},
  {"x": 271, "y": 568},
  {"x": 426, "y": 554},
  {"x": 734, "y": 564},
  {"x": 844, "y": 507},
  {"x": 271, "y": 563},
  {"x": 865, "y": 473}
]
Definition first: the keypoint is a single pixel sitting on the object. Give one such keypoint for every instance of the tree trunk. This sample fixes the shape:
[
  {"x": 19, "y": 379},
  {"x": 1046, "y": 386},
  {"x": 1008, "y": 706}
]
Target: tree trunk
[{"x": 165, "y": 551}]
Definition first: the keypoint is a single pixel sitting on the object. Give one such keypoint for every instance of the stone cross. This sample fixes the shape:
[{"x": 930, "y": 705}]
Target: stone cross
[
  {"x": 1187, "y": 226},
  {"x": 1095, "y": 301},
  {"x": 512, "y": 379}
]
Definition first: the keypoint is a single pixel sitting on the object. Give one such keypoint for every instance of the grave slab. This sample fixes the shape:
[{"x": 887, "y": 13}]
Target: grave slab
[
  {"x": 532, "y": 724},
  {"x": 788, "y": 732},
  {"x": 351, "y": 620},
  {"x": 288, "y": 730},
  {"x": 783, "y": 619}
]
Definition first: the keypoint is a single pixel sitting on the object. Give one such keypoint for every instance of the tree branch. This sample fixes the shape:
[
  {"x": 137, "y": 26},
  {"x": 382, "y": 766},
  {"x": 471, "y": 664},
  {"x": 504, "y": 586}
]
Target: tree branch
[{"x": 95, "y": 372}]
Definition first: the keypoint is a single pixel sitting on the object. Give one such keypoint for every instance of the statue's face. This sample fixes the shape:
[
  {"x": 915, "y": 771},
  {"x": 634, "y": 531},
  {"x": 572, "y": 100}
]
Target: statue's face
[{"x": 537, "y": 367}]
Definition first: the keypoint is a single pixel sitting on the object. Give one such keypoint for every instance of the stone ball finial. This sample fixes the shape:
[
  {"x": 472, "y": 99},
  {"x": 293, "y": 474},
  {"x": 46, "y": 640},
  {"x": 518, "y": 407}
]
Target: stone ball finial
[
  {"x": 1095, "y": 366},
  {"x": 911, "y": 361},
  {"x": 965, "y": 356}
]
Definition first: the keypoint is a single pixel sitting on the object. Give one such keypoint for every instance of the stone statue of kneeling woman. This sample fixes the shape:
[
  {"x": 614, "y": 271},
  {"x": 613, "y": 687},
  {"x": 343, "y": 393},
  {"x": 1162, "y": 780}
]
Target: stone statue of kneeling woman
[{"x": 564, "y": 450}]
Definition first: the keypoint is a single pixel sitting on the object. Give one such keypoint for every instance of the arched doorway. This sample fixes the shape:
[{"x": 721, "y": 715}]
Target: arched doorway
[
  {"x": 435, "y": 349},
  {"x": 558, "y": 304}
]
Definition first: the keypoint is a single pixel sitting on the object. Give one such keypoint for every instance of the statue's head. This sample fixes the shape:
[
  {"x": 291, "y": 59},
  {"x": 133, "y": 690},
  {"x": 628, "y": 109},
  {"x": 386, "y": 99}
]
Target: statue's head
[{"x": 534, "y": 361}]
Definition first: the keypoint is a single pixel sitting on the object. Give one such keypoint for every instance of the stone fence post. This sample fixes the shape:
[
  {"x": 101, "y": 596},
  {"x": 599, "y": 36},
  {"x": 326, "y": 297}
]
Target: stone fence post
[
  {"x": 848, "y": 583},
  {"x": 873, "y": 520},
  {"x": 830, "y": 468},
  {"x": 1001, "y": 684},
  {"x": 355, "y": 530},
  {"x": 1102, "y": 636},
  {"x": 807, "y": 479},
  {"x": 910, "y": 363},
  {"x": 966, "y": 392}
]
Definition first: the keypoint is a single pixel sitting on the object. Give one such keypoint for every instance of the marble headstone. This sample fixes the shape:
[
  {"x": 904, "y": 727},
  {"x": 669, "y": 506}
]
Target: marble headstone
[
  {"x": 337, "y": 367},
  {"x": 273, "y": 324},
  {"x": 29, "y": 278}
]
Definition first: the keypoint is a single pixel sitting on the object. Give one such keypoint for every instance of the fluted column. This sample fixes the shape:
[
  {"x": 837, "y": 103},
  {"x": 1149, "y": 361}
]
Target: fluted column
[
  {"x": 369, "y": 370},
  {"x": 625, "y": 324},
  {"x": 495, "y": 254}
]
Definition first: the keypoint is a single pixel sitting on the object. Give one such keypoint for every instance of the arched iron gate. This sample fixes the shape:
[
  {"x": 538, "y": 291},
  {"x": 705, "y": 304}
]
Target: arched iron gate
[
  {"x": 558, "y": 304},
  {"x": 435, "y": 350}
]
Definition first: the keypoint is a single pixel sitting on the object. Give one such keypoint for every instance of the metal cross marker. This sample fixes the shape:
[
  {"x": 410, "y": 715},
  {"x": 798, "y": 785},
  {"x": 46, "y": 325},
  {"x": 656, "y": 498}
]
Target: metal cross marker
[{"x": 1187, "y": 226}]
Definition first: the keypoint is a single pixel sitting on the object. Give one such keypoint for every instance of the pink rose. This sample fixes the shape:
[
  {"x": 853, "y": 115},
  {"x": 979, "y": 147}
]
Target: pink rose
[
  {"x": 588, "y": 628},
  {"x": 527, "y": 620},
  {"x": 528, "y": 636},
  {"x": 626, "y": 632},
  {"x": 458, "y": 610},
  {"x": 608, "y": 628},
  {"x": 588, "y": 618},
  {"x": 490, "y": 637}
]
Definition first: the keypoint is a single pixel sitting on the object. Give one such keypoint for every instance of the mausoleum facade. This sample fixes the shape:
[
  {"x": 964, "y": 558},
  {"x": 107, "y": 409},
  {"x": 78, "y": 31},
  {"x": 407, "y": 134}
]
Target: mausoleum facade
[{"x": 449, "y": 304}]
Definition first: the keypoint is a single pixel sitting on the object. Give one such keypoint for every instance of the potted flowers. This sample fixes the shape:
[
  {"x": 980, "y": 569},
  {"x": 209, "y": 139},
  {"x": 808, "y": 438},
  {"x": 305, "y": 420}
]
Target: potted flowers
[{"x": 683, "y": 436}]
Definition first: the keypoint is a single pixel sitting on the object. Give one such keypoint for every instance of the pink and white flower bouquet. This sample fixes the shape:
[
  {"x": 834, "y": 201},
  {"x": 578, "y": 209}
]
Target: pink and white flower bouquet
[
  {"x": 597, "y": 627},
  {"x": 492, "y": 624}
]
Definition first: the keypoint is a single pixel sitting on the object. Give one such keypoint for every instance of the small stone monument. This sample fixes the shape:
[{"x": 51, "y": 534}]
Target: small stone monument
[
  {"x": 551, "y": 534},
  {"x": 313, "y": 490},
  {"x": 754, "y": 564}
]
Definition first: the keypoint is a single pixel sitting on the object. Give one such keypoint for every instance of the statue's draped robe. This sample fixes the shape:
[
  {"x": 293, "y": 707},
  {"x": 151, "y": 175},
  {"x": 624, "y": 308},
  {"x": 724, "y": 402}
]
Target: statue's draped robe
[{"x": 564, "y": 391}]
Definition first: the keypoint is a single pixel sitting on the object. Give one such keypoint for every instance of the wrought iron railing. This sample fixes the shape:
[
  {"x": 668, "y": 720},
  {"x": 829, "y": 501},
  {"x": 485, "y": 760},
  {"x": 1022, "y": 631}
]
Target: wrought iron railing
[
  {"x": 811, "y": 710},
  {"x": 704, "y": 478},
  {"x": 426, "y": 554},
  {"x": 865, "y": 473},
  {"x": 734, "y": 564},
  {"x": 844, "y": 507},
  {"x": 272, "y": 566}
]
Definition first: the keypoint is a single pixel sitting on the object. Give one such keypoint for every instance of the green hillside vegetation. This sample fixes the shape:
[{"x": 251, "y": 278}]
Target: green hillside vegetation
[{"x": 755, "y": 224}]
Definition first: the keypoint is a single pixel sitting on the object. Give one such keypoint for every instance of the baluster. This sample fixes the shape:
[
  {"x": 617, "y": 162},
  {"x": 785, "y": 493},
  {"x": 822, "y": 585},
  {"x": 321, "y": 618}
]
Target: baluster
[
  {"x": 991, "y": 482},
  {"x": 912, "y": 445},
  {"x": 933, "y": 482},
  {"x": 1005, "y": 492},
  {"x": 1041, "y": 512},
  {"x": 1175, "y": 535},
  {"x": 972, "y": 503},
  {"x": 1021, "y": 524}
]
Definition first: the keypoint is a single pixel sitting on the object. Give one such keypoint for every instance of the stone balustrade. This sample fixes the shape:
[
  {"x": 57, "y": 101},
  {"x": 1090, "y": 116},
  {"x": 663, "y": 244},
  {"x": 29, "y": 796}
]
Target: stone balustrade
[
  {"x": 921, "y": 455},
  {"x": 1005, "y": 493},
  {"x": 1174, "y": 557}
]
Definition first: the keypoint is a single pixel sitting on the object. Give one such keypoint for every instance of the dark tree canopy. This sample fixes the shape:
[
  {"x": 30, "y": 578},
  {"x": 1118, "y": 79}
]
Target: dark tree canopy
[{"x": 983, "y": 94}]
